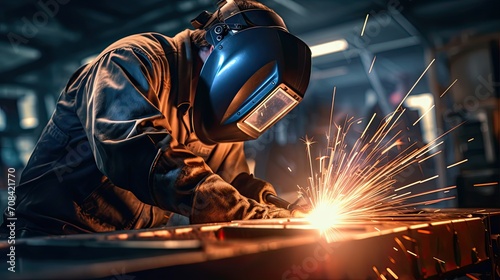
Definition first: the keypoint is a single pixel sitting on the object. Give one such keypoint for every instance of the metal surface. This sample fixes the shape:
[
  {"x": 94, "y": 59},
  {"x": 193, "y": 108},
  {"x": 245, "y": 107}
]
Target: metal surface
[{"x": 427, "y": 244}]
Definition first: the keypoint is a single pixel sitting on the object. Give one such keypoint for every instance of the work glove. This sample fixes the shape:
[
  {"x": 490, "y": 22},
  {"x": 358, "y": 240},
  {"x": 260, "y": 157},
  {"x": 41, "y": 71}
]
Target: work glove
[
  {"x": 215, "y": 200},
  {"x": 252, "y": 187}
]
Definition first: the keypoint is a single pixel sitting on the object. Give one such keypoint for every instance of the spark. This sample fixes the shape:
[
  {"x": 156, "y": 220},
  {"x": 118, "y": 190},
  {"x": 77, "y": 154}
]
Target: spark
[
  {"x": 485, "y": 184},
  {"x": 415, "y": 84},
  {"x": 364, "y": 25},
  {"x": 401, "y": 195},
  {"x": 457, "y": 163},
  {"x": 428, "y": 179},
  {"x": 371, "y": 66},
  {"x": 289, "y": 169},
  {"x": 471, "y": 276},
  {"x": 439, "y": 260},
  {"x": 442, "y": 94},
  {"x": 415, "y": 183},
  {"x": 471, "y": 139},
  {"x": 366, "y": 128},
  {"x": 430, "y": 149},
  {"x": 395, "y": 249},
  {"x": 394, "y": 275},
  {"x": 424, "y": 159},
  {"x": 409, "y": 238},
  {"x": 411, "y": 253},
  {"x": 423, "y": 115},
  {"x": 331, "y": 113}
]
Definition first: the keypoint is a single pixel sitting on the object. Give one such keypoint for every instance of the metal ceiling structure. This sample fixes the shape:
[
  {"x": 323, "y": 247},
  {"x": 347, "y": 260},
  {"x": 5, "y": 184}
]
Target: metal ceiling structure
[{"x": 58, "y": 34}]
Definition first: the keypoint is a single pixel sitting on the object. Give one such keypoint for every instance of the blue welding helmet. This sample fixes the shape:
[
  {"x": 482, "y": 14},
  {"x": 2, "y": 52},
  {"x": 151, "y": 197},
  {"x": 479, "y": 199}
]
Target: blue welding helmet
[{"x": 256, "y": 73}]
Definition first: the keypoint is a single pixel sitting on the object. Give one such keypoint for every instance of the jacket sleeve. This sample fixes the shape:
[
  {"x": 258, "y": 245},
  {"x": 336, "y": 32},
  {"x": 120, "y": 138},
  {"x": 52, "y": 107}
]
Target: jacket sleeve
[
  {"x": 234, "y": 169},
  {"x": 118, "y": 106}
]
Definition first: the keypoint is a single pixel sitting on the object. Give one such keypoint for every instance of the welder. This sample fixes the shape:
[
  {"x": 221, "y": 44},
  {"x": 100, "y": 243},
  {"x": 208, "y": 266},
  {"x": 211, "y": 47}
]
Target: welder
[{"x": 154, "y": 127}]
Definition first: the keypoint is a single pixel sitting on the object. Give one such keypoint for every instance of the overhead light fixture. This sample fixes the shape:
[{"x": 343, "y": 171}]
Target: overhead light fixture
[{"x": 329, "y": 47}]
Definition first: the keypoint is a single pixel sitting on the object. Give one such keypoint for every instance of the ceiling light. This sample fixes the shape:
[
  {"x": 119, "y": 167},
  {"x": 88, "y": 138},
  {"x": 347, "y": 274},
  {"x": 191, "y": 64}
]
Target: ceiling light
[{"x": 329, "y": 47}]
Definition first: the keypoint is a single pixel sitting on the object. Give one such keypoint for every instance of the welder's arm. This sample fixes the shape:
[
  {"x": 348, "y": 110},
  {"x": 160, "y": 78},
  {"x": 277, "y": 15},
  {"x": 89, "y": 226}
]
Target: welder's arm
[
  {"x": 117, "y": 104},
  {"x": 253, "y": 187},
  {"x": 234, "y": 169}
]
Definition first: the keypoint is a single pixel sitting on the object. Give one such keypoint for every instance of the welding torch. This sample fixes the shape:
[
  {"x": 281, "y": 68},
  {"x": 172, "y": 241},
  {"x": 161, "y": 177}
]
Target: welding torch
[{"x": 282, "y": 203}]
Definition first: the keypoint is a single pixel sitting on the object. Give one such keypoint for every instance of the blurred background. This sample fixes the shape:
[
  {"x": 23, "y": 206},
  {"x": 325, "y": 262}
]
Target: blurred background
[{"x": 372, "y": 67}]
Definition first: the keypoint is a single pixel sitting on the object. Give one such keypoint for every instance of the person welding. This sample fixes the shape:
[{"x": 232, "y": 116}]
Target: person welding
[{"x": 155, "y": 126}]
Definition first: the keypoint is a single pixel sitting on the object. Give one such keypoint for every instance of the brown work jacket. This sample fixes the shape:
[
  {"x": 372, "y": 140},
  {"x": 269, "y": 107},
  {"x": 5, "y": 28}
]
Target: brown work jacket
[{"x": 119, "y": 152}]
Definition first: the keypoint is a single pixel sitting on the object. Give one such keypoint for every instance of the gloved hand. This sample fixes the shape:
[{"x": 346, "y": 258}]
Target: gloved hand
[
  {"x": 253, "y": 187},
  {"x": 215, "y": 200}
]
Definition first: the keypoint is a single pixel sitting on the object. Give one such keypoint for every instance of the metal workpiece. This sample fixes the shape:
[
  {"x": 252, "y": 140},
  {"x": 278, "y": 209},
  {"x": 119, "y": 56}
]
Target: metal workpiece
[{"x": 424, "y": 245}]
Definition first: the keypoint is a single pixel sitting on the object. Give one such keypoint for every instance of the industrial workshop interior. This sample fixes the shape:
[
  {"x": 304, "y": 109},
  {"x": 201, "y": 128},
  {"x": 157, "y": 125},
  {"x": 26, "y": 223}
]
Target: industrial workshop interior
[{"x": 292, "y": 139}]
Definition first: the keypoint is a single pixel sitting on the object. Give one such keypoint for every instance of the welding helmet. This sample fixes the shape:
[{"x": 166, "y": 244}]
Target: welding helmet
[{"x": 256, "y": 73}]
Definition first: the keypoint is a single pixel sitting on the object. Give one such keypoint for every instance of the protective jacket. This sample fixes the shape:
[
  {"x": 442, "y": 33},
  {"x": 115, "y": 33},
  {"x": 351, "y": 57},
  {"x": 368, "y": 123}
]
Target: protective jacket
[{"x": 119, "y": 151}]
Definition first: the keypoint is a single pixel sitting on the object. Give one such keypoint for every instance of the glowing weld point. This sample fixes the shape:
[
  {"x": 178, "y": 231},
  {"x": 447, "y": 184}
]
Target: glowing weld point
[
  {"x": 324, "y": 216},
  {"x": 394, "y": 275}
]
